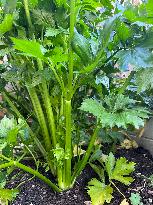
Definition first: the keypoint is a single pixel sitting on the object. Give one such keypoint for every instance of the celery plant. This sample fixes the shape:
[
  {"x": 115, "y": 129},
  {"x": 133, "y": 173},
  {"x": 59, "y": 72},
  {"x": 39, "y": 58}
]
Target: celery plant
[{"x": 51, "y": 54}]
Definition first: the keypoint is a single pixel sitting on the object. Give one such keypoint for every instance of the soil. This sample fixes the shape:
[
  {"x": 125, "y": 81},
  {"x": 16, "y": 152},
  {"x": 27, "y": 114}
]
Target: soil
[{"x": 35, "y": 192}]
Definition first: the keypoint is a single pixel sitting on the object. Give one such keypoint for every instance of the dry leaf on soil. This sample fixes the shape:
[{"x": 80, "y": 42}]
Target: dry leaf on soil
[{"x": 124, "y": 202}]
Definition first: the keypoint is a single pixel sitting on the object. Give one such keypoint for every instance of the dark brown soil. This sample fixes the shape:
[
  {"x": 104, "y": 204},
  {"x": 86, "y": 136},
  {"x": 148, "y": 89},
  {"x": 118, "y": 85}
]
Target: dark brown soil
[{"x": 35, "y": 192}]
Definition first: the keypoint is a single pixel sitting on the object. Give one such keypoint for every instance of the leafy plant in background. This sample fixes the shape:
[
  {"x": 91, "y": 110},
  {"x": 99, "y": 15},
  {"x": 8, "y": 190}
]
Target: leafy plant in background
[{"x": 52, "y": 52}]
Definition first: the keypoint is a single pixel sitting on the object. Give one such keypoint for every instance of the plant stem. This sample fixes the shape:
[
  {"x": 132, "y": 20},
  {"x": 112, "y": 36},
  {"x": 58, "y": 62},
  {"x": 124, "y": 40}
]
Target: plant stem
[
  {"x": 86, "y": 156},
  {"x": 40, "y": 117},
  {"x": 72, "y": 23},
  {"x": 18, "y": 114},
  {"x": 49, "y": 111},
  {"x": 48, "y": 106},
  {"x": 67, "y": 103},
  {"x": 68, "y": 143},
  {"x": 29, "y": 170},
  {"x": 60, "y": 81},
  {"x": 117, "y": 188},
  {"x": 26, "y": 7}
]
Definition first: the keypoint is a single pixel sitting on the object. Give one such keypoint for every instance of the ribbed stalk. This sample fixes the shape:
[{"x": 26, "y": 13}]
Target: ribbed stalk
[
  {"x": 26, "y": 7},
  {"x": 49, "y": 111},
  {"x": 48, "y": 106},
  {"x": 72, "y": 23},
  {"x": 86, "y": 156},
  {"x": 40, "y": 117},
  {"x": 60, "y": 178},
  {"x": 18, "y": 114},
  {"x": 68, "y": 143},
  {"x": 67, "y": 103}
]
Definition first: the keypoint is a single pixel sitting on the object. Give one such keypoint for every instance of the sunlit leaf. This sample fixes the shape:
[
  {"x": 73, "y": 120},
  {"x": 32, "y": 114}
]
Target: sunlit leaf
[
  {"x": 119, "y": 169},
  {"x": 29, "y": 48},
  {"x": 99, "y": 192},
  {"x": 6, "y": 24},
  {"x": 8, "y": 194}
]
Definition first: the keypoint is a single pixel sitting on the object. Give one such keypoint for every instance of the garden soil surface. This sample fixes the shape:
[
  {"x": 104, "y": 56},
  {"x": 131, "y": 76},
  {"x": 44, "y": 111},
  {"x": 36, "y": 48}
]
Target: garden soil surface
[{"x": 35, "y": 192}]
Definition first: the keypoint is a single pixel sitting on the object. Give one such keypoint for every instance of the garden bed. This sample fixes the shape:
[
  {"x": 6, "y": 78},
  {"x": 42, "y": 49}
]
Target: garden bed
[{"x": 35, "y": 192}]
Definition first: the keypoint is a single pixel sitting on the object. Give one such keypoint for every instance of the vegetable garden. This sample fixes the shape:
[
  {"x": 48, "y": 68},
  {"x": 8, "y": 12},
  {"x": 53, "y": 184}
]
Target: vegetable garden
[{"x": 76, "y": 79}]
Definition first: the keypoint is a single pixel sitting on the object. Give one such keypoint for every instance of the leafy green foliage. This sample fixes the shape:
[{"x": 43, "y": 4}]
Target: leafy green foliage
[
  {"x": 135, "y": 57},
  {"x": 50, "y": 32},
  {"x": 82, "y": 48},
  {"x": 144, "y": 79},
  {"x": 116, "y": 111},
  {"x": 6, "y": 24},
  {"x": 33, "y": 3},
  {"x": 135, "y": 199},
  {"x": 119, "y": 169},
  {"x": 99, "y": 192},
  {"x": 123, "y": 31},
  {"x": 60, "y": 155},
  {"x": 72, "y": 40},
  {"x": 60, "y": 3},
  {"x": 116, "y": 169},
  {"x": 43, "y": 18},
  {"x": 140, "y": 13},
  {"x": 9, "y": 128},
  {"x": 29, "y": 48},
  {"x": 7, "y": 194},
  {"x": 8, "y": 132}
]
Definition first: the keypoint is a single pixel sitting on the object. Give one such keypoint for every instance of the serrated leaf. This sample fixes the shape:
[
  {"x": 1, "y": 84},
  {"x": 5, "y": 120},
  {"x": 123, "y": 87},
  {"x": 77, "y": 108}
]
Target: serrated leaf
[
  {"x": 43, "y": 17},
  {"x": 6, "y": 125},
  {"x": 6, "y": 24},
  {"x": 141, "y": 13},
  {"x": 107, "y": 30},
  {"x": 29, "y": 48},
  {"x": 50, "y": 32},
  {"x": 5, "y": 51},
  {"x": 121, "y": 170},
  {"x": 135, "y": 199},
  {"x": 92, "y": 106},
  {"x": 99, "y": 192},
  {"x": 118, "y": 111},
  {"x": 7, "y": 194}
]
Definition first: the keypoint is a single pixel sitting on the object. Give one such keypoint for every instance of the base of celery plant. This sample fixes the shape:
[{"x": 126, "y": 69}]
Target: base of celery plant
[{"x": 35, "y": 192}]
